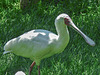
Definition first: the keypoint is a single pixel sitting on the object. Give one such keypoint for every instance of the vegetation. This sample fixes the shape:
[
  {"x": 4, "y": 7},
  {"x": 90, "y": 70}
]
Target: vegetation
[{"x": 77, "y": 59}]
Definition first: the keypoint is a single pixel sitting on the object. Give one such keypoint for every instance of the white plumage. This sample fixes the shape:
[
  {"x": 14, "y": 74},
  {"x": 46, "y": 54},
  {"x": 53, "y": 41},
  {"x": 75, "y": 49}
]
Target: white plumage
[
  {"x": 35, "y": 44},
  {"x": 20, "y": 73},
  {"x": 39, "y": 44}
]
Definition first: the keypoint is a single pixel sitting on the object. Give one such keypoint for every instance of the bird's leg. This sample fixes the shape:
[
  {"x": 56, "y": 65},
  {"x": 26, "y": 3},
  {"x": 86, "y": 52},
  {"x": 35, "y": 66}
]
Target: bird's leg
[
  {"x": 31, "y": 67},
  {"x": 38, "y": 70}
]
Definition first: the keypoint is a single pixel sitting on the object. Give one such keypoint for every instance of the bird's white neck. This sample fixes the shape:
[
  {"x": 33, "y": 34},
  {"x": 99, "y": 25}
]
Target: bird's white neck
[{"x": 63, "y": 37}]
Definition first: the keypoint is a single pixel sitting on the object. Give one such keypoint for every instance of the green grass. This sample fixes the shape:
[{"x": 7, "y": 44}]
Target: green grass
[{"x": 77, "y": 59}]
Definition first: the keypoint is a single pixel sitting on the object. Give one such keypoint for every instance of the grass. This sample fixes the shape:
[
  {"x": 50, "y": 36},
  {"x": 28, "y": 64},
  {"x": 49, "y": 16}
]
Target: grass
[{"x": 77, "y": 59}]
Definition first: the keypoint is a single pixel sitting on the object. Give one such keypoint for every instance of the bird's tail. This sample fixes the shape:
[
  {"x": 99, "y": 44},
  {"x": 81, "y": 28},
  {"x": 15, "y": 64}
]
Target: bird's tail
[{"x": 5, "y": 52}]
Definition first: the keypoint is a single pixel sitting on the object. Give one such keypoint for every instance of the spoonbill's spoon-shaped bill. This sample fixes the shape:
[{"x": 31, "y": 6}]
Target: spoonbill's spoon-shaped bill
[{"x": 87, "y": 39}]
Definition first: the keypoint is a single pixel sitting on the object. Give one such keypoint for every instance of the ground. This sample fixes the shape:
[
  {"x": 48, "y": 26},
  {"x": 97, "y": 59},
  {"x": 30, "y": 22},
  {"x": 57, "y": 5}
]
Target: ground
[{"x": 78, "y": 58}]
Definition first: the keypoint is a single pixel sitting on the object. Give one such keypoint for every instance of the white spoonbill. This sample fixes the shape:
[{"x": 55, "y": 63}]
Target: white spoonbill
[
  {"x": 20, "y": 73},
  {"x": 39, "y": 44}
]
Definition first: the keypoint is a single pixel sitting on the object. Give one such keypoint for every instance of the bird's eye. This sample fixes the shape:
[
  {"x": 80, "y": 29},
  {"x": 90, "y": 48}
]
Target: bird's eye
[{"x": 66, "y": 20}]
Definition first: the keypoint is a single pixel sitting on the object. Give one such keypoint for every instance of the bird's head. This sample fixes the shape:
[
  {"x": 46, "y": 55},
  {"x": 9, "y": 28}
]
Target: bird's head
[{"x": 65, "y": 20}]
